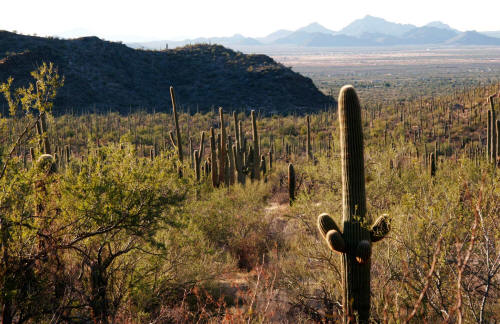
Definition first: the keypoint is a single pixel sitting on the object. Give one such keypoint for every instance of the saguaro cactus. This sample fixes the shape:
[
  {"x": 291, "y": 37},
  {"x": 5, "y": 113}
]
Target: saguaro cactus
[
  {"x": 291, "y": 183},
  {"x": 213, "y": 159},
  {"x": 222, "y": 149},
  {"x": 498, "y": 142},
  {"x": 432, "y": 163},
  {"x": 256, "y": 149},
  {"x": 355, "y": 241},
  {"x": 197, "y": 157},
  {"x": 177, "y": 145},
  {"x": 488, "y": 137},
  {"x": 493, "y": 131},
  {"x": 308, "y": 147}
]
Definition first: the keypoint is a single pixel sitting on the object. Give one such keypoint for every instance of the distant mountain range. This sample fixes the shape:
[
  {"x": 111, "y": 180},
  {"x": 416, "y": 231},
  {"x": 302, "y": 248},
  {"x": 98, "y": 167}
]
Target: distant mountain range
[{"x": 368, "y": 31}]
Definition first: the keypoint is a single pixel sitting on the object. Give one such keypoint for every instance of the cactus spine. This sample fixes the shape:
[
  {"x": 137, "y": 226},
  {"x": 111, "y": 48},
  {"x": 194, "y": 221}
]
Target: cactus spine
[
  {"x": 355, "y": 241},
  {"x": 177, "y": 145}
]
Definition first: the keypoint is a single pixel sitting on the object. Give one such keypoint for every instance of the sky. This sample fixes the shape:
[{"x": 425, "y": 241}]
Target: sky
[{"x": 142, "y": 20}]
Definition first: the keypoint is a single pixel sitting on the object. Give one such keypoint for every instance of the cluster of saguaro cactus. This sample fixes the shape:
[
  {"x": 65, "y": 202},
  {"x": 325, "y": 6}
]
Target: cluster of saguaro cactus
[
  {"x": 229, "y": 163},
  {"x": 355, "y": 240},
  {"x": 225, "y": 158}
]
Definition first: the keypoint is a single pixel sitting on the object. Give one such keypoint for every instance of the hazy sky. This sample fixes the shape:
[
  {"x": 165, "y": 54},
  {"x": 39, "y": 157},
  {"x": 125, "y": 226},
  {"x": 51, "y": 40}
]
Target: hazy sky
[{"x": 148, "y": 19}]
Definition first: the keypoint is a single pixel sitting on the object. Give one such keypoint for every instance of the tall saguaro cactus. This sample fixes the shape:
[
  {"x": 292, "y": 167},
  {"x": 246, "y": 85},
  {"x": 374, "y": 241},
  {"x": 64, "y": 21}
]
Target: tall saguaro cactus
[
  {"x": 213, "y": 159},
  {"x": 256, "y": 149},
  {"x": 488, "y": 136},
  {"x": 493, "y": 131},
  {"x": 308, "y": 147},
  {"x": 498, "y": 142},
  {"x": 178, "y": 145},
  {"x": 291, "y": 183},
  {"x": 354, "y": 242},
  {"x": 222, "y": 148}
]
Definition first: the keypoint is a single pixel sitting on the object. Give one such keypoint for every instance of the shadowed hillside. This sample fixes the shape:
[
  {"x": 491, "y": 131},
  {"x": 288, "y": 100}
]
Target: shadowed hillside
[{"x": 106, "y": 76}]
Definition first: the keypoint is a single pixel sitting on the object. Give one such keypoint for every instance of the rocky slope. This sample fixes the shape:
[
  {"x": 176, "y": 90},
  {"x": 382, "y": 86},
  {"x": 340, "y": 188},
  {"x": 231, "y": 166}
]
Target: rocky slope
[{"x": 106, "y": 76}]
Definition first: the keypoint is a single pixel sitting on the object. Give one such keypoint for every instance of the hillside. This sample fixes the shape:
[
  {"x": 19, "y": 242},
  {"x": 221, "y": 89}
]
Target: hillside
[
  {"x": 106, "y": 76},
  {"x": 473, "y": 38}
]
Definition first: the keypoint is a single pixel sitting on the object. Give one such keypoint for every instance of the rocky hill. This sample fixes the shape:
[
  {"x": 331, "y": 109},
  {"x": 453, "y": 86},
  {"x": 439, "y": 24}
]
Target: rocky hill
[{"x": 106, "y": 76}]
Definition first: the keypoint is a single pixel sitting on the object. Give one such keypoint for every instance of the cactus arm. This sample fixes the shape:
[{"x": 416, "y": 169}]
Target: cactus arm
[
  {"x": 326, "y": 224},
  {"x": 335, "y": 241},
  {"x": 380, "y": 228}
]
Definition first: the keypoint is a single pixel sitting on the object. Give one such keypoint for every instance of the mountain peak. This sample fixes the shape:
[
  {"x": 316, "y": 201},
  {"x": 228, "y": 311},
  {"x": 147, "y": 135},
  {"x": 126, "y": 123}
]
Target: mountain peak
[
  {"x": 371, "y": 24},
  {"x": 370, "y": 17},
  {"x": 439, "y": 24},
  {"x": 315, "y": 28}
]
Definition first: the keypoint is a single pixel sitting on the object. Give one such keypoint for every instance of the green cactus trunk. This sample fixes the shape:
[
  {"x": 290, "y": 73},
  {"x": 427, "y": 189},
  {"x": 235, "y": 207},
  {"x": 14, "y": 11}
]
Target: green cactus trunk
[
  {"x": 498, "y": 142},
  {"x": 178, "y": 145},
  {"x": 45, "y": 138},
  {"x": 263, "y": 165},
  {"x": 432, "y": 163},
  {"x": 238, "y": 164},
  {"x": 488, "y": 137},
  {"x": 291, "y": 183},
  {"x": 32, "y": 155},
  {"x": 308, "y": 147},
  {"x": 231, "y": 159},
  {"x": 222, "y": 149},
  {"x": 197, "y": 160},
  {"x": 236, "y": 131},
  {"x": 213, "y": 159},
  {"x": 356, "y": 275},
  {"x": 493, "y": 132},
  {"x": 68, "y": 153},
  {"x": 256, "y": 149}
]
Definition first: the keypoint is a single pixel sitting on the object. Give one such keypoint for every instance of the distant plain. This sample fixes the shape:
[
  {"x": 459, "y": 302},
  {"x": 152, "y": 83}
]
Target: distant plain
[{"x": 396, "y": 72}]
